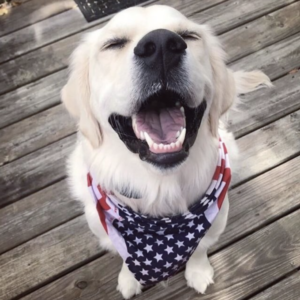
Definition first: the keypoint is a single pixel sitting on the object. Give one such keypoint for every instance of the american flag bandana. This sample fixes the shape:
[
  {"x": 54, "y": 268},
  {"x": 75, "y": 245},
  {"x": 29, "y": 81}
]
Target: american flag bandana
[{"x": 154, "y": 249}]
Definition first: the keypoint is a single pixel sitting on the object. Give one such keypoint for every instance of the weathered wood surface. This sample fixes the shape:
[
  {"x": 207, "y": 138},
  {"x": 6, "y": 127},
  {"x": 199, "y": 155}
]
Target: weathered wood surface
[
  {"x": 287, "y": 289},
  {"x": 31, "y": 12},
  {"x": 37, "y": 214},
  {"x": 35, "y": 134},
  {"x": 233, "y": 13},
  {"x": 241, "y": 269},
  {"x": 69, "y": 23},
  {"x": 24, "y": 137},
  {"x": 46, "y": 256},
  {"x": 54, "y": 57},
  {"x": 265, "y": 105},
  {"x": 268, "y": 147},
  {"x": 262, "y": 32},
  {"x": 275, "y": 60},
  {"x": 31, "y": 99},
  {"x": 34, "y": 171},
  {"x": 261, "y": 201}
]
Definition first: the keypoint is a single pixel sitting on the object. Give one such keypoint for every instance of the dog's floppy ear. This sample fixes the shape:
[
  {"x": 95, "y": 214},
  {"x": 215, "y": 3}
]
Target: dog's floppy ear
[
  {"x": 227, "y": 85},
  {"x": 76, "y": 95},
  {"x": 223, "y": 85}
]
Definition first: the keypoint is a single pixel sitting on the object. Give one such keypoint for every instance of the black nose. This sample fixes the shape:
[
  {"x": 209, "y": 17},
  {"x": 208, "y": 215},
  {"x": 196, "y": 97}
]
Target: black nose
[{"x": 160, "y": 48}]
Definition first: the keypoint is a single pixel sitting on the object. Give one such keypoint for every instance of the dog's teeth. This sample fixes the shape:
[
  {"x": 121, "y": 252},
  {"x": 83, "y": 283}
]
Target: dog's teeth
[
  {"x": 177, "y": 144},
  {"x": 155, "y": 146},
  {"x": 178, "y": 134},
  {"x": 160, "y": 146},
  {"x": 172, "y": 145},
  {"x": 148, "y": 139},
  {"x": 142, "y": 136},
  {"x": 182, "y": 136}
]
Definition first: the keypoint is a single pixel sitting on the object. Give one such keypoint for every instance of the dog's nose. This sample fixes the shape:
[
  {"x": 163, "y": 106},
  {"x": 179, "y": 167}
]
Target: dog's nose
[{"x": 160, "y": 48}]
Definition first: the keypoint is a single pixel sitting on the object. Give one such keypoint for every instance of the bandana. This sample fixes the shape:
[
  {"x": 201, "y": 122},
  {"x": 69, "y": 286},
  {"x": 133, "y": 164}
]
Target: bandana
[{"x": 154, "y": 249}]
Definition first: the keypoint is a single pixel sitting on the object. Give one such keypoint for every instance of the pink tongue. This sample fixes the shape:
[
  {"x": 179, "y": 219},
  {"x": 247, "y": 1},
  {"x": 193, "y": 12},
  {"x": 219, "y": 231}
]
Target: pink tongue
[{"x": 162, "y": 125}]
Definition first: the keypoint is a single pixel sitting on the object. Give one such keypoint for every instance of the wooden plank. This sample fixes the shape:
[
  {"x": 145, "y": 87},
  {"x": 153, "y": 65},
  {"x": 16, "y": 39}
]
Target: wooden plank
[
  {"x": 267, "y": 147},
  {"x": 233, "y": 13},
  {"x": 69, "y": 23},
  {"x": 287, "y": 289},
  {"x": 275, "y": 60},
  {"x": 36, "y": 214},
  {"x": 24, "y": 137},
  {"x": 262, "y": 200},
  {"x": 53, "y": 57},
  {"x": 46, "y": 256},
  {"x": 34, "y": 171},
  {"x": 31, "y": 12},
  {"x": 265, "y": 105},
  {"x": 32, "y": 98},
  {"x": 241, "y": 269},
  {"x": 262, "y": 32}
]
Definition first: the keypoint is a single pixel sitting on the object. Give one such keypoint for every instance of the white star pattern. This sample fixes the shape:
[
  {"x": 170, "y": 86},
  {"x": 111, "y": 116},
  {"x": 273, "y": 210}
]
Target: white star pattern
[
  {"x": 129, "y": 231},
  {"x": 138, "y": 241},
  {"x": 169, "y": 249},
  {"x": 160, "y": 232},
  {"x": 189, "y": 249},
  {"x": 158, "y": 257},
  {"x": 136, "y": 262},
  {"x": 152, "y": 279},
  {"x": 190, "y": 236},
  {"x": 148, "y": 262},
  {"x": 139, "y": 253},
  {"x": 191, "y": 224},
  {"x": 142, "y": 282},
  {"x": 179, "y": 257},
  {"x": 130, "y": 219},
  {"x": 148, "y": 236},
  {"x": 169, "y": 236},
  {"x": 179, "y": 244},
  {"x": 148, "y": 248},
  {"x": 145, "y": 272},
  {"x": 139, "y": 229},
  {"x": 120, "y": 224},
  {"x": 168, "y": 265},
  {"x": 158, "y": 242},
  {"x": 200, "y": 227},
  {"x": 165, "y": 274},
  {"x": 156, "y": 270}
]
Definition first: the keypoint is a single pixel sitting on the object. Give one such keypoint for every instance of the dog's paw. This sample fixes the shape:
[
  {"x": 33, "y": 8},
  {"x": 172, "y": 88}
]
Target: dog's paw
[
  {"x": 199, "y": 276},
  {"x": 128, "y": 286}
]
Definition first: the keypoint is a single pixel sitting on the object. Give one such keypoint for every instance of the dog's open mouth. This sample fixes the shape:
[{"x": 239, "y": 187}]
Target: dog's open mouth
[{"x": 163, "y": 129}]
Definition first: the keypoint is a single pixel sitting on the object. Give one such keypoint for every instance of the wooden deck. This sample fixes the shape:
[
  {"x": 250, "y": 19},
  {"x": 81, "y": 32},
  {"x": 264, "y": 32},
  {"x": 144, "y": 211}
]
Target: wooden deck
[{"x": 46, "y": 249}]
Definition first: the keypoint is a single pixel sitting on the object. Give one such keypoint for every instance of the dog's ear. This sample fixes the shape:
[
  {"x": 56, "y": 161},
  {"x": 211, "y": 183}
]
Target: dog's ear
[
  {"x": 76, "y": 95},
  {"x": 223, "y": 85},
  {"x": 227, "y": 85}
]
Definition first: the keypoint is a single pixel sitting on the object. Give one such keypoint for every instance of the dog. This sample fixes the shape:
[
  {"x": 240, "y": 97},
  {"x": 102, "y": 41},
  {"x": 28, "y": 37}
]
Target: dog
[{"x": 148, "y": 91}]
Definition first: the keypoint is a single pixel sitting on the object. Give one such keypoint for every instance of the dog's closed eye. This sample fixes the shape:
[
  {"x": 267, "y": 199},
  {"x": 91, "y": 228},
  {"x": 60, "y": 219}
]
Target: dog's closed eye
[
  {"x": 115, "y": 43},
  {"x": 189, "y": 35}
]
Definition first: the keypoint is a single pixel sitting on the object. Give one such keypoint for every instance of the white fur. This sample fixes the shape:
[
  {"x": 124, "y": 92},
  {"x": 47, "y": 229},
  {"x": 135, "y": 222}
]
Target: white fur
[{"x": 102, "y": 82}]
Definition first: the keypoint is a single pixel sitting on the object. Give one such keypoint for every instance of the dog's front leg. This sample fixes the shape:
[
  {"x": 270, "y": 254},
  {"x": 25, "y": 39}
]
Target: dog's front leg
[
  {"x": 199, "y": 273},
  {"x": 128, "y": 286}
]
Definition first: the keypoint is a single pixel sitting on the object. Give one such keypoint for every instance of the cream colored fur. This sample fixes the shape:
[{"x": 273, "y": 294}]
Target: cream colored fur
[{"x": 103, "y": 82}]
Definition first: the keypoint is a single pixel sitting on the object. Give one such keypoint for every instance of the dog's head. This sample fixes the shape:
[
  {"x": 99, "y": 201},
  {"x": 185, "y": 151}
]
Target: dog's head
[{"x": 149, "y": 78}]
